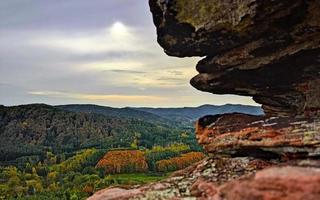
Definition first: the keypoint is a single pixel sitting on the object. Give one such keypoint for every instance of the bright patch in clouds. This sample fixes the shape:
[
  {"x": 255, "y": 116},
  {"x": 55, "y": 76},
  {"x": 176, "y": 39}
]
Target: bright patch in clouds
[
  {"x": 97, "y": 97},
  {"x": 127, "y": 64},
  {"x": 119, "y": 31},
  {"x": 117, "y": 37}
]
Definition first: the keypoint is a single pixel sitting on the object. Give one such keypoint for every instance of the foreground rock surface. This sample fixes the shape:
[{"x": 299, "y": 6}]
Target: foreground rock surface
[
  {"x": 191, "y": 182},
  {"x": 286, "y": 183},
  {"x": 222, "y": 178}
]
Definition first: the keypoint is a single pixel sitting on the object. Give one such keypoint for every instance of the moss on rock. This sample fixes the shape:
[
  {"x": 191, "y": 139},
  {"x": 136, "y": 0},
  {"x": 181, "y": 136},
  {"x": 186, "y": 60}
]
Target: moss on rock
[{"x": 218, "y": 14}]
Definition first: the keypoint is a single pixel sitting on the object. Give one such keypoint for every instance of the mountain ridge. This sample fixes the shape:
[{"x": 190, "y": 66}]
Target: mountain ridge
[
  {"x": 191, "y": 114},
  {"x": 175, "y": 114}
]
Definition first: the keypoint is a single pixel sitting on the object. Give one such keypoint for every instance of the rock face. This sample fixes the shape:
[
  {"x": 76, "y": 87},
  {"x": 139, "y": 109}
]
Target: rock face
[
  {"x": 248, "y": 135},
  {"x": 269, "y": 50},
  {"x": 265, "y": 49},
  {"x": 115, "y": 193},
  {"x": 285, "y": 183}
]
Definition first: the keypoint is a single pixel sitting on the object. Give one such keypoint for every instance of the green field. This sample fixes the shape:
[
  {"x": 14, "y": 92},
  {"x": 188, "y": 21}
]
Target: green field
[{"x": 135, "y": 178}]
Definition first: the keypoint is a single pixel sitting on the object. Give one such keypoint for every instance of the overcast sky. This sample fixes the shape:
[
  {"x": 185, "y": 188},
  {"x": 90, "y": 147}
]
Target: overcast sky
[{"x": 91, "y": 51}]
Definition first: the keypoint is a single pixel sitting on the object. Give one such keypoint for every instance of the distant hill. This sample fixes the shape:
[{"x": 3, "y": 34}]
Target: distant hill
[
  {"x": 191, "y": 114},
  {"x": 126, "y": 113},
  {"x": 184, "y": 116},
  {"x": 32, "y": 129}
]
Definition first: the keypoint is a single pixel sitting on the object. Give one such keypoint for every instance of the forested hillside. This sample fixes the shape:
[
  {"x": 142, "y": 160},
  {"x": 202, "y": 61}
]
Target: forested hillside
[
  {"x": 126, "y": 113},
  {"x": 34, "y": 129},
  {"x": 178, "y": 117}
]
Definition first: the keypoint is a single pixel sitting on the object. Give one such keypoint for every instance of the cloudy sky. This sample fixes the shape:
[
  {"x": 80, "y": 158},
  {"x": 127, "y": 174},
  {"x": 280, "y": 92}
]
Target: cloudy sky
[{"x": 91, "y": 51}]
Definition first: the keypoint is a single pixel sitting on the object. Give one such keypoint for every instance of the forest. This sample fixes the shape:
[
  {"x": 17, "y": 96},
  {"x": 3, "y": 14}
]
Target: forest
[
  {"x": 54, "y": 153},
  {"x": 87, "y": 171}
]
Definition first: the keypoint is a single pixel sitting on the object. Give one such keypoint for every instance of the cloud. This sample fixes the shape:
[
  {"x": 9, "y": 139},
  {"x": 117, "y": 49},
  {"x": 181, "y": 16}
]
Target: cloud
[
  {"x": 171, "y": 79},
  {"x": 126, "y": 71},
  {"x": 71, "y": 14},
  {"x": 81, "y": 51},
  {"x": 117, "y": 37},
  {"x": 97, "y": 97},
  {"x": 176, "y": 72}
]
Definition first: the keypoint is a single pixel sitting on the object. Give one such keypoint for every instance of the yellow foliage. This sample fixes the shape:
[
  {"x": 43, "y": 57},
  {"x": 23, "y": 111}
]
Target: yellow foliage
[
  {"x": 176, "y": 147},
  {"x": 52, "y": 176},
  {"x": 179, "y": 162}
]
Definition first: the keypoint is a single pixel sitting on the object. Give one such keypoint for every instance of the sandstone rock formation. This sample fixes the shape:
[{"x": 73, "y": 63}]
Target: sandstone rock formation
[
  {"x": 269, "y": 50},
  {"x": 265, "y": 49},
  {"x": 286, "y": 183},
  {"x": 258, "y": 136}
]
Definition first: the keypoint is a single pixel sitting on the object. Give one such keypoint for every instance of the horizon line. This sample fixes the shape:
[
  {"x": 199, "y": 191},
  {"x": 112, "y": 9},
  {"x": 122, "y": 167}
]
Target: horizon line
[{"x": 92, "y": 104}]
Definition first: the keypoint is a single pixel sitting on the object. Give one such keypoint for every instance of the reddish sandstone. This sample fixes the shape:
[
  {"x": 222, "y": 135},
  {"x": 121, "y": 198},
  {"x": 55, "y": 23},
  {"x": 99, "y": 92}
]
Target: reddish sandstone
[
  {"x": 282, "y": 183},
  {"x": 115, "y": 194},
  {"x": 234, "y": 133}
]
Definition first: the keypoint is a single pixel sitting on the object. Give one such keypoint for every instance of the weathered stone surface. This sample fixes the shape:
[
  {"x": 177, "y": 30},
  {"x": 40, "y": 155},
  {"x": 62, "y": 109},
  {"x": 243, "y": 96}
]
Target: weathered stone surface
[
  {"x": 224, "y": 178},
  {"x": 285, "y": 183},
  {"x": 115, "y": 193},
  {"x": 269, "y": 50},
  {"x": 209, "y": 27},
  {"x": 241, "y": 134},
  {"x": 286, "y": 87}
]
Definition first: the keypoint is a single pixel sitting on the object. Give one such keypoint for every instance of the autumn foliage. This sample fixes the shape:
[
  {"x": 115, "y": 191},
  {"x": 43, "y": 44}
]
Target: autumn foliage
[
  {"x": 158, "y": 153},
  {"x": 123, "y": 161},
  {"x": 180, "y": 162}
]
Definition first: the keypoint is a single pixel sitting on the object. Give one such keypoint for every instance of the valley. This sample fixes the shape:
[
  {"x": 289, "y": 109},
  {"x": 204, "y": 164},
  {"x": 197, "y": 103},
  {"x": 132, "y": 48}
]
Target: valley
[{"x": 71, "y": 151}]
